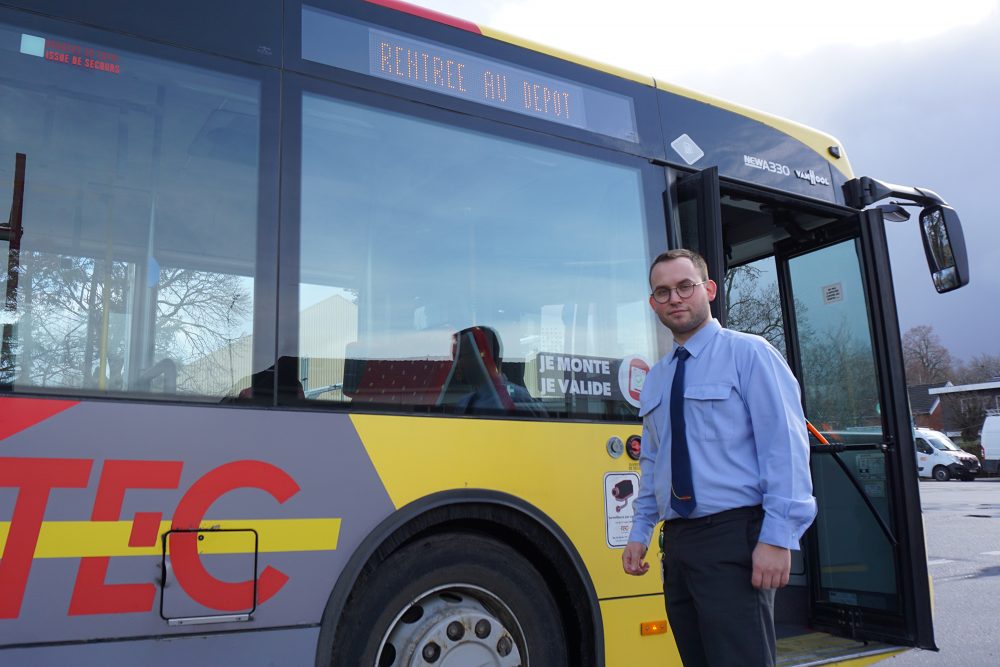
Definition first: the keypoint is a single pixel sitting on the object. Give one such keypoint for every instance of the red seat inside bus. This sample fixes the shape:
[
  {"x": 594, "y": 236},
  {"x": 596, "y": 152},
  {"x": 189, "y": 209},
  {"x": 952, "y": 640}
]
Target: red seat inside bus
[
  {"x": 471, "y": 375},
  {"x": 395, "y": 381}
]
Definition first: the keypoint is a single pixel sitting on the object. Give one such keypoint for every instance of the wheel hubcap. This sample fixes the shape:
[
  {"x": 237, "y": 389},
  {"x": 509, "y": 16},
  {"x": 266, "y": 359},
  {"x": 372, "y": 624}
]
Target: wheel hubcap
[{"x": 454, "y": 626}]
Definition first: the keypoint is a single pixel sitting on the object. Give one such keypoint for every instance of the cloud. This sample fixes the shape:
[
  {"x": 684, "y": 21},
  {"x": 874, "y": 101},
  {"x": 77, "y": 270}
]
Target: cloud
[
  {"x": 909, "y": 88},
  {"x": 675, "y": 39},
  {"x": 919, "y": 114}
]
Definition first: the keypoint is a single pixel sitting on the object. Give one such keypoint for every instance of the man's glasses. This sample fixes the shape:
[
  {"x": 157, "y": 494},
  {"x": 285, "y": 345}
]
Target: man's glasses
[{"x": 684, "y": 291}]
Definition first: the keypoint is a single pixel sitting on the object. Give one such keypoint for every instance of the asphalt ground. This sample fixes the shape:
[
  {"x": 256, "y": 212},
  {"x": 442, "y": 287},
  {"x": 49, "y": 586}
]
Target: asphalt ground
[{"x": 962, "y": 530}]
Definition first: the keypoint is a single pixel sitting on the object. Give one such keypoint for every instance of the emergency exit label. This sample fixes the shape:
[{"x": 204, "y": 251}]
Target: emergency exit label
[{"x": 70, "y": 53}]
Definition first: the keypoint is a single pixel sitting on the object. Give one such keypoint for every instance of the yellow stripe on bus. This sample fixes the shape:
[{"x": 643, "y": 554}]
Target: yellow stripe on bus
[
  {"x": 77, "y": 539},
  {"x": 818, "y": 141},
  {"x": 565, "y": 55}
]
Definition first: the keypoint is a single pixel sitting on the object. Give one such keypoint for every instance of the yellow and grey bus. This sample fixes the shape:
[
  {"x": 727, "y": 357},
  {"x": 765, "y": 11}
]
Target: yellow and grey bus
[{"x": 325, "y": 324}]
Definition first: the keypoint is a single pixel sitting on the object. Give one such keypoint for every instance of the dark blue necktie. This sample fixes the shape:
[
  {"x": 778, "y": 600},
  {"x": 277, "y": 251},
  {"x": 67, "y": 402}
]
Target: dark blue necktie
[{"x": 682, "y": 498}]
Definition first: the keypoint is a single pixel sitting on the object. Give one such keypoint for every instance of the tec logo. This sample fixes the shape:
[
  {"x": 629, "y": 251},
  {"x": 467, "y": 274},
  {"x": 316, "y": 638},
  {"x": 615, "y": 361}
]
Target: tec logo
[{"x": 27, "y": 536}]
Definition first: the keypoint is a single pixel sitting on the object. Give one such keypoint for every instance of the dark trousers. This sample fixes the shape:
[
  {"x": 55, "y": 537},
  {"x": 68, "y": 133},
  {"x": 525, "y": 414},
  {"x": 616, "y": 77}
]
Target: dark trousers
[{"x": 717, "y": 617}]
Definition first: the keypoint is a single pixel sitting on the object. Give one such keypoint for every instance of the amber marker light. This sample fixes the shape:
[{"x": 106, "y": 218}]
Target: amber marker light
[{"x": 653, "y": 628}]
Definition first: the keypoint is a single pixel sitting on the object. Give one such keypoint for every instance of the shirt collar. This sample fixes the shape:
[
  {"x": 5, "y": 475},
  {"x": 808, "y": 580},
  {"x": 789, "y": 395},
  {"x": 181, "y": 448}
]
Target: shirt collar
[{"x": 697, "y": 343}]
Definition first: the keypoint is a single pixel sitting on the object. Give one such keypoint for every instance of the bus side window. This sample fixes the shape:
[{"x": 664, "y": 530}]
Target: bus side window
[
  {"x": 392, "y": 266},
  {"x": 137, "y": 258}
]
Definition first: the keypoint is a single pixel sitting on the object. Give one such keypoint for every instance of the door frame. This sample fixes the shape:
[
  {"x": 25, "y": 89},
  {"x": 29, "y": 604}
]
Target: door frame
[{"x": 704, "y": 188}]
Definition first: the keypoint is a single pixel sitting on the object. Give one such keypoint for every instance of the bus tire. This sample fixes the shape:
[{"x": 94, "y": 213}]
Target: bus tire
[
  {"x": 455, "y": 599},
  {"x": 941, "y": 474}
]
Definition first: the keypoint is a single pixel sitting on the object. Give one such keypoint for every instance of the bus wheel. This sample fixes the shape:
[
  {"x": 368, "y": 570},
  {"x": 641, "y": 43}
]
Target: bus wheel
[
  {"x": 941, "y": 474},
  {"x": 451, "y": 600}
]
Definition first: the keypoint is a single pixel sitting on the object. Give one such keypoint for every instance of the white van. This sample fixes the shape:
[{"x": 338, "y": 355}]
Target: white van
[
  {"x": 942, "y": 459},
  {"x": 991, "y": 441}
]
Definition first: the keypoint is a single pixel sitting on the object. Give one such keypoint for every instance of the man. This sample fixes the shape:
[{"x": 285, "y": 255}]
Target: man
[{"x": 725, "y": 464}]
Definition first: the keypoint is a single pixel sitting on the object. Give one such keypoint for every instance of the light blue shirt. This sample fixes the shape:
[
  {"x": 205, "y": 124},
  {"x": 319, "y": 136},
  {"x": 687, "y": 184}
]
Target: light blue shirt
[{"x": 746, "y": 434}]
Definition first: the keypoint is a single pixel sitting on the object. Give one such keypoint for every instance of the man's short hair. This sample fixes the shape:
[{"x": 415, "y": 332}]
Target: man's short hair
[{"x": 679, "y": 253}]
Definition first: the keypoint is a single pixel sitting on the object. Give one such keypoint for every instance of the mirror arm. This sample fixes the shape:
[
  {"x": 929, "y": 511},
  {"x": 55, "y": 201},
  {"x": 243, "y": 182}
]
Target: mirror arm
[{"x": 864, "y": 191}]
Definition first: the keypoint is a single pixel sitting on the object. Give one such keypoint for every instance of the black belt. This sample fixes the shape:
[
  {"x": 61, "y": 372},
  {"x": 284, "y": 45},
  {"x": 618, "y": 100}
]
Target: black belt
[{"x": 754, "y": 512}]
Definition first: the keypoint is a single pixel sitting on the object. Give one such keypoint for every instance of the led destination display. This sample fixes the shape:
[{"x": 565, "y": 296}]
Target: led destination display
[
  {"x": 463, "y": 75},
  {"x": 350, "y": 44}
]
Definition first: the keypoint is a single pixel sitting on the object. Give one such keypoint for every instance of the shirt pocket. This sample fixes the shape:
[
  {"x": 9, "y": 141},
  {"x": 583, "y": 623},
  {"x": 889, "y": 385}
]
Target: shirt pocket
[{"x": 711, "y": 411}]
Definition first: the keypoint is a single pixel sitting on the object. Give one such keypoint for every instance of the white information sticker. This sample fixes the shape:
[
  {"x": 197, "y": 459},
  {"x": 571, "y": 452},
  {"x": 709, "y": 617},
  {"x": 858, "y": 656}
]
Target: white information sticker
[
  {"x": 833, "y": 293},
  {"x": 620, "y": 489}
]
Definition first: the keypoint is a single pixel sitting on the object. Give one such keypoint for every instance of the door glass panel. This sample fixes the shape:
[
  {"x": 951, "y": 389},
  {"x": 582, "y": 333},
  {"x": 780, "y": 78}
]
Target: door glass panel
[
  {"x": 449, "y": 269},
  {"x": 841, "y": 394},
  {"x": 831, "y": 317}
]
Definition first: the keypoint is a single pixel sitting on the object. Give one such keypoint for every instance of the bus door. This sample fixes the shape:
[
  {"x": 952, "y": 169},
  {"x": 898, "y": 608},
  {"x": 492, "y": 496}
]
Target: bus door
[
  {"x": 866, "y": 554},
  {"x": 814, "y": 281}
]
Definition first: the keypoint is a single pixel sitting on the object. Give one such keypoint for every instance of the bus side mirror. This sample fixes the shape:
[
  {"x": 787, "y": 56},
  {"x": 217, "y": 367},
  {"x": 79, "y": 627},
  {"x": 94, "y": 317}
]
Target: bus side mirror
[{"x": 944, "y": 245}]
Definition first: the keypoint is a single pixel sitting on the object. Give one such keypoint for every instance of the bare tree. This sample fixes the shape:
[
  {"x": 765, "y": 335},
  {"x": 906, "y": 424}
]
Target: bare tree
[
  {"x": 927, "y": 361},
  {"x": 754, "y": 308},
  {"x": 198, "y": 314},
  {"x": 65, "y": 312},
  {"x": 967, "y": 412},
  {"x": 981, "y": 368},
  {"x": 80, "y": 323},
  {"x": 841, "y": 387}
]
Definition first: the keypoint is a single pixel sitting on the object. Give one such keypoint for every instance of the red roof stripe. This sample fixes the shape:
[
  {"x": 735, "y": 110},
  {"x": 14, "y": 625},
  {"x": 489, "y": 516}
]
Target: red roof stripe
[
  {"x": 430, "y": 14},
  {"x": 17, "y": 414}
]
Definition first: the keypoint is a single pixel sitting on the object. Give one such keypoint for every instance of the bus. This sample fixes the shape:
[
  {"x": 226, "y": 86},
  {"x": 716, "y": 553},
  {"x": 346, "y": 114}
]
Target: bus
[{"x": 325, "y": 324}]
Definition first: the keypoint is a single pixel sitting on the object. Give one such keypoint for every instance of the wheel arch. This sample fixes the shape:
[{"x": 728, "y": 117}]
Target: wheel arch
[{"x": 517, "y": 523}]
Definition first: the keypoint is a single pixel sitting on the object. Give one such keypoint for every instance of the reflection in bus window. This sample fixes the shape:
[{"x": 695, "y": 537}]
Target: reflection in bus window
[
  {"x": 137, "y": 258},
  {"x": 937, "y": 236},
  {"x": 838, "y": 361},
  {"x": 753, "y": 303},
  {"x": 414, "y": 230}
]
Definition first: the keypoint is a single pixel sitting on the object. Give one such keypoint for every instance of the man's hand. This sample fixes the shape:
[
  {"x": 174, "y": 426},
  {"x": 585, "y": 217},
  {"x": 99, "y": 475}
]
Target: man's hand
[
  {"x": 632, "y": 559},
  {"x": 771, "y": 566}
]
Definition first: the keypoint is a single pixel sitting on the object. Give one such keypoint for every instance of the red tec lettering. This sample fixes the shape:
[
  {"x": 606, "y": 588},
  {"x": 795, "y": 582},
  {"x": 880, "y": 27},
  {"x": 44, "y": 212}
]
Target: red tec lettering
[
  {"x": 90, "y": 594},
  {"x": 190, "y": 573},
  {"x": 35, "y": 478}
]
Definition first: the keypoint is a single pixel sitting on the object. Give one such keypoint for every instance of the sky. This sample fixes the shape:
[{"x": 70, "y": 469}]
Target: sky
[{"x": 911, "y": 90}]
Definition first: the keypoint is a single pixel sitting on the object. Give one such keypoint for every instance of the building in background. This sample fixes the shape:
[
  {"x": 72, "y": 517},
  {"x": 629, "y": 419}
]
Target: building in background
[
  {"x": 964, "y": 406},
  {"x": 925, "y": 408}
]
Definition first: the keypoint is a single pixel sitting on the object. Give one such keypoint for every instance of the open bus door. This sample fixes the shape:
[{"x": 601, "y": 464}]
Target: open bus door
[
  {"x": 816, "y": 283},
  {"x": 865, "y": 553}
]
